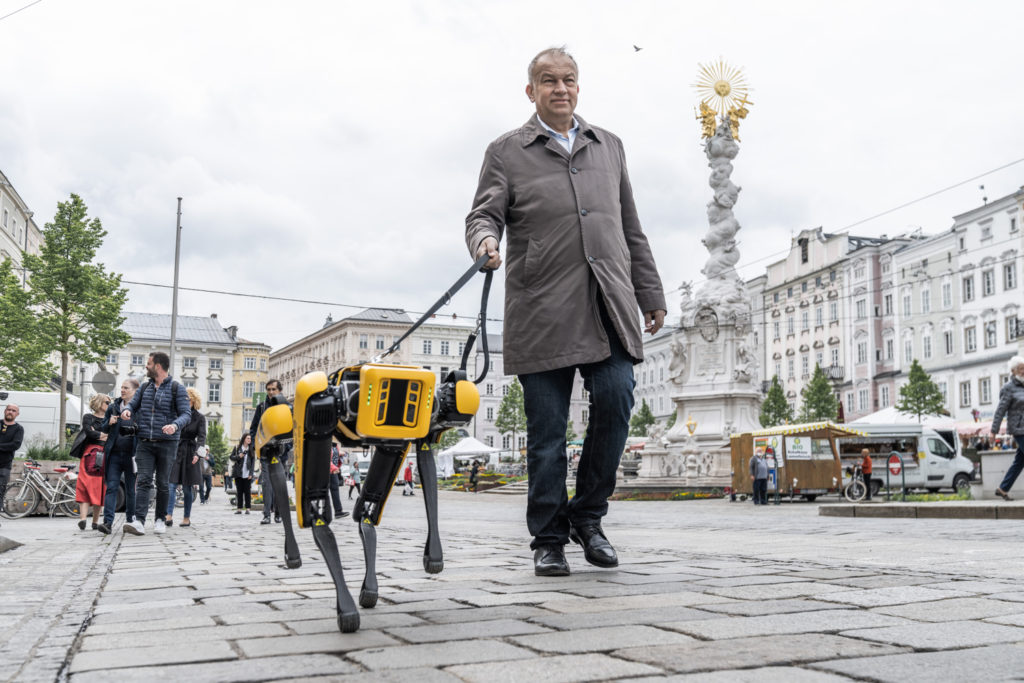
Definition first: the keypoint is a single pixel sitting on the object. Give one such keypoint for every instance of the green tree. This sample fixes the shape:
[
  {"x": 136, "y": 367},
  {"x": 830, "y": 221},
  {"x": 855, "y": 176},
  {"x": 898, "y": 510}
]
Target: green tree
[
  {"x": 775, "y": 410},
  {"x": 78, "y": 301},
  {"x": 920, "y": 396},
  {"x": 819, "y": 401},
  {"x": 23, "y": 356},
  {"x": 570, "y": 433},
  {"x": 511, "y": 413},
  {"x": 671, "y": 420},
  {"x": 643, "y": 419},
  {"x": 218, "y": 445},
  {"x": 449, "y": 439}
]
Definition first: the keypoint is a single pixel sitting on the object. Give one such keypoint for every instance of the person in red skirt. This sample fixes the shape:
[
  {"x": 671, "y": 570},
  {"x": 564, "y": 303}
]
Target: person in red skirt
[{"x": 89, "y": 489}]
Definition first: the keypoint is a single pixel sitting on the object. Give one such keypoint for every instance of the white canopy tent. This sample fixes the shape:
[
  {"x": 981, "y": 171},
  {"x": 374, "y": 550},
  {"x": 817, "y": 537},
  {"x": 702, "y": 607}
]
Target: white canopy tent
[
  {"x": 891, "y": 416},
  {"x": 466, "y": 449}
]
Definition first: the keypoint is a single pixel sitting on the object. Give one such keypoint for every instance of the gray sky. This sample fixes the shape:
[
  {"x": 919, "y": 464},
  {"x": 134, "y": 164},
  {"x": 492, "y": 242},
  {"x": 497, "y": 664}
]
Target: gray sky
[{"x": 330, "y": 150}]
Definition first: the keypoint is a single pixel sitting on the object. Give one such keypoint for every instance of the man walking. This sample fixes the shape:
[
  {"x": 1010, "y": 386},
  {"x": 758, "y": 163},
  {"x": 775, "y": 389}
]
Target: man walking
[
  {"x": 273, "y": 389},
  {"x": 161, "y": 410},
  {"x": 759, "y": 474},
  {"x": 579, "y": 268},
  {"x": 119, "y": 450},
  {"x": 11, "y": 436}
]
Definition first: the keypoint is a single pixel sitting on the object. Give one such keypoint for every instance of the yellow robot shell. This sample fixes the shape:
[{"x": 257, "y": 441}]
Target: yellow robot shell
[
  {"x": 307, "y": 386},
  {"x": 395, "y": 401},
  {"x": 275, "y": 423},
  {"x": 467, "y": 397}
]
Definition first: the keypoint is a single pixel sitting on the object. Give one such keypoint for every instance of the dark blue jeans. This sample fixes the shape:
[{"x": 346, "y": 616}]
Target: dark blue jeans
[
  {"x": 154, "y": 459},
  {"x": 609, "y": 383},
  {"x": 760, "y": 492},
  {"x": 172, "y": 498},
  {"x": 120, "y": 465},
  {"x": 1016, "y": 466},
  {"x": 206, "y": 488}
]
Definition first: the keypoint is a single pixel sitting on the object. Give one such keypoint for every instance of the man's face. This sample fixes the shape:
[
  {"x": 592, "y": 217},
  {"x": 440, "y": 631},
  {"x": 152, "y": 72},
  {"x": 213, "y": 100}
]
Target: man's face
[
  {"x": 273, "y": 390},
  {"x": 554, "y": 89},
  {"x": 11, "y": 412},
  {"x": 150, "y": 368}
]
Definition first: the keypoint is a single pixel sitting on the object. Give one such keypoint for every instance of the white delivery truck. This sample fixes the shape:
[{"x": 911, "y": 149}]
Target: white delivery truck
[
  {"x": 40, "y": 416},
  {"x": 930, "y": 458}
]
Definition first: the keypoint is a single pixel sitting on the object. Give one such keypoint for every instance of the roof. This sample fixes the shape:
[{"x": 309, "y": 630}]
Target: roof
[
  {"x": 807, "y": 427},
  {"x": 382, "y": 315},
  {"x": 190, "y": 328}
]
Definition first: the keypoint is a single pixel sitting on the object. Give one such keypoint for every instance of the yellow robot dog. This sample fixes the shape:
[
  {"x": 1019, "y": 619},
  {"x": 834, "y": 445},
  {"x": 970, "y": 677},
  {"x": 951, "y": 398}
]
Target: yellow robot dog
[{"x": 389, "y": 408}]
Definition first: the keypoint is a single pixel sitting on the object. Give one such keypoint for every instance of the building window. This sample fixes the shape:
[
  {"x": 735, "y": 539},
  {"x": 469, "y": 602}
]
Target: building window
[
  {"x": 819, "y": 359},
  {"x": 831, "y": 276},
  {"x": 803, "y": 286},
  {"x": 444, "y": 348},
  {"x": 850, "y": 408},
  {"x": 521, "y": 442},
  {"x": 790, "y": 328},
  {"x": 805, "y": 320},
  {"x": 862, "y": 352},
  {"x": 970, "y": 340},
  {"x": 249, "y": 363},
  {"x": 218, "y": 364},
  {"x": 364, "y": 341},
  {"x": 926, "y": 347},
  {"x": 490, "y": 414},
  {"x": 862, "y": 309},
  {"x": 884, "y": 395},
  {"x": 111, "y": 359},
  {"x": 137, "y": 359},
  {"x": 1010, "y": 276},
  {"x": 835, "y": 356},
  {"x": 965, "y": 394},
  {"x": 789, "y": 292},
  {"x": 803, "y": 250},
  {"x": 263, "y": 365},
  {"x": 947, "y": 338},
  {"x": 489, "y": 440},
  {"x": 778, "y": 370},
  {"x": 506, "y": 441},
  {"x": 990, "y": 334},
  {"x": 863, "y": 396},
  {"x": 775, "y": 297},
  {"x": 584, "y": 417},
  {"x": 214, "y": 395},
  {"x": 943, "y": 389},
  {"x": 776, "y": 329},
  {"x": 969, "y": 288},
  {"x": 985, "y": 390},
  {"x": 947, "y": 295},
  {"x": 906, "y": 304},
  {"x": 988, "y": 282},
  {"x": 1013, "y": 224},
  {"x": 248, "y": 389},
  {"x": 1013, "y": 328},
  {"x": 489, "y": 390},
  {"x": 790, "y": 369},
  {"x": 378, "y": 342},
  {"x": 427, "y": 346},
  {"x": 858, "y": 273},
  {"x": 926, "y": 300},
  {"x": 462, "y": 348},
  {"x": 504, "y": 390},
  {"x": 189, "y": 384},
  {"x": 887, "y": 304},
  {"x": 819, "y": 317},
  {"x": 889, "y": 350},
  {"x": 833, "y": 311},
  {"x": 908, "y": 351},
  {"x": 188, "y": 362},
  {"x": 805, "y": 365},
  {"x": 247, "y": 415}
]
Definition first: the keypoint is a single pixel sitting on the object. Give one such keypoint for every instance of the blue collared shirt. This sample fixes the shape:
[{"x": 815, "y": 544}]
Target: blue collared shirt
[{"x": 565, "y": 142}]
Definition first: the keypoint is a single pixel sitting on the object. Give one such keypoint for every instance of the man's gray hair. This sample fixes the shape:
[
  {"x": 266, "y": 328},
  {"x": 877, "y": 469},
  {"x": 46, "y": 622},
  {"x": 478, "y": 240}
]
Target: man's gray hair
[
  {"x": 559, "y": 51},
  {"x": 1014, "y": 363}
]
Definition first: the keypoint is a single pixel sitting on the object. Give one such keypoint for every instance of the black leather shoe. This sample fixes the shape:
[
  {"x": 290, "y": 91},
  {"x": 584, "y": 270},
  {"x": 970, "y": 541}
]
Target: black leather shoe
[
  {"x": 549, "y": 560},
  {"x": 596, "y": 548},
  {"x": 265, "y": 520}
]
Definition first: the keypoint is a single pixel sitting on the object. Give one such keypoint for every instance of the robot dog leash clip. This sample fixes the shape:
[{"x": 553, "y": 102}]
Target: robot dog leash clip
[{"x": 389, "y": 408}]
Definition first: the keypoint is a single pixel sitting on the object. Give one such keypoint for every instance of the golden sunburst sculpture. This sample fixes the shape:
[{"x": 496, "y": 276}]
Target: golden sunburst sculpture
[{"x": 722, "y": 89}]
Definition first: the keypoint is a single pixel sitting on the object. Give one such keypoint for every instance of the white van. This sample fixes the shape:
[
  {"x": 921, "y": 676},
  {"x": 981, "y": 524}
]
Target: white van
[
  {"x": 40, "y": 416},
  {"x": 931, "y": 459}
]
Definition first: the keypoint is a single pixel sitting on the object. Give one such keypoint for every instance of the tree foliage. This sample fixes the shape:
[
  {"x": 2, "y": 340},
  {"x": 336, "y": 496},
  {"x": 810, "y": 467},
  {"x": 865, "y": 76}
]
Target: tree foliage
[
  {"x": 775, "y": 410},
  {"x": 511, "y": 416},
  {"x": 23, "y": 355},
  {"x": 643, "y": 419},
  {"x": 819, "y": 401},
  {"x": 449, "y": 439},
  {"x": 218, "y": 445},
  {"x": 78, "y": 302},
  {"x": 570, "y": 432},
  {"x": 920, "y": 395}
]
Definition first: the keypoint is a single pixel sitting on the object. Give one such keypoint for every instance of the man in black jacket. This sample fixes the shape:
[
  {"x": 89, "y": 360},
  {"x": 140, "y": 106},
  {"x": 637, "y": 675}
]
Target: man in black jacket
[
  {"x": 11, "y": 436},
  {"x": 273, "y": 389},
  {"x": 119, "y": 456}
]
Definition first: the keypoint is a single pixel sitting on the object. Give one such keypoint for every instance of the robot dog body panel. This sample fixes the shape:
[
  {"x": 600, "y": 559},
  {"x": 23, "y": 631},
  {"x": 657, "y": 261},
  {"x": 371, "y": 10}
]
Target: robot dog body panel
[{"x": 390, "y": 407}]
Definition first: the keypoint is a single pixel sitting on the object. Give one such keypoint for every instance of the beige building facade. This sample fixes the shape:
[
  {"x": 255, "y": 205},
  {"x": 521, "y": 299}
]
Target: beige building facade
[{"x": 249, "y": 377}]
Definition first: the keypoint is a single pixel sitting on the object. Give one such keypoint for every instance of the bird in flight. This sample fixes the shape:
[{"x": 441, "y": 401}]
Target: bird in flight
[{"x": 637, "y": 48}]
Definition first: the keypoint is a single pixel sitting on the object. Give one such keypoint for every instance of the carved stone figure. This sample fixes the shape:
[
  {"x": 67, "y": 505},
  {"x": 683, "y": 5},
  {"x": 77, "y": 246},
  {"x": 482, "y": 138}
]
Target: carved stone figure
[
  {"x": 746, "y": 364},
  {"x": 677, "y": 366},
  {"x": 707, "y": 322}
]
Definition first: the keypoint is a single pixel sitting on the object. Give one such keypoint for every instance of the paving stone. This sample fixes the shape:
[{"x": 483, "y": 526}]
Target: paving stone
[
  {"x": 753, "y": 608},
  {"x": 258, "y": 669},
  {"x": 137, "y": 608},
  {"x": 751, "y": 652},
  {"x": 494, "y": 628},
  {"x": 368, "y": 619},
  {"x": 425, "y": 606},
  {"x": 776, "y": 591},
  {"x": 178, "y": 612},
  {"x": 389, "y": 676},
  {"x": 149, "y": 595},
  {"x": 183, "y": 637},
  {"x": 252, "y": 616},
  {"x": 954, "y": 609},
  {"x": 127, "y": 657},
  {"x": 1014, "y": 596},
  {"x": 584, "y": 605},
  {"x": 882, "y": 581},
  {"x": 829, "y": 621},
  {"x": 564, "y": 669},
  {"x": 602, "y": 639},
  {"x": 950, "y": 634},
  {"x": 824, "y": 574},
  {"x": 449, "y": 616},
  {"x": 897, "y": 595},
  {"x": 336, "y": 642},
  {"x": 438, "y": 654},
  {"x": 768, "y": 674},
  {"x": 144, "y": 625},
  {"x": 605, "y": 590},
  {"x": 982, "y": 587},
  {"x": 650, "y": 615},
  {"x": 1015, "y": 619},
  {"x": 746, "y": 580},
  {"x": 993, "y": 663}
]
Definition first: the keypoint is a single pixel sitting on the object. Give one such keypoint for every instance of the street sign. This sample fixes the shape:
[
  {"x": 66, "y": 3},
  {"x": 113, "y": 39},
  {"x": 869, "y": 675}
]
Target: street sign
[
  {"x": 258, "y": 397},
  {"x": 103, "y": 381},
  {"x": 895, "y": 464}
]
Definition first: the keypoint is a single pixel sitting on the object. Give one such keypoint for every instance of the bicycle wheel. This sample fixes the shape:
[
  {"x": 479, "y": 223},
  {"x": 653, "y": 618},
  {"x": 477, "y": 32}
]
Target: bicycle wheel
[
  {"x": 66, "y": 503},
  {"x": 20, "y": 500},
  {"x": 855, "y": 491}
]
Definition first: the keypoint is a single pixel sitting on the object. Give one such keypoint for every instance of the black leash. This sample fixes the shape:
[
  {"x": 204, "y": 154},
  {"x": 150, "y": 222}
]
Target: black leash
[{"x": 481, "y": 327}]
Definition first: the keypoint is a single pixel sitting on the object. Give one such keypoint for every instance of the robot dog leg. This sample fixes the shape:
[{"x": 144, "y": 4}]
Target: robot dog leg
[
  {"x": 433, "y": 559},
  {"x": 377, "y": 486},
  {"x": 272, "y": 438},
  {"x": 315, "y": 419}
]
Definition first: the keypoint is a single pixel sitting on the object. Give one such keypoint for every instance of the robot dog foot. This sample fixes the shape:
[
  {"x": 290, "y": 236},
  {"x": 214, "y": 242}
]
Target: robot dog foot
[{"x": 348, "y": 615}]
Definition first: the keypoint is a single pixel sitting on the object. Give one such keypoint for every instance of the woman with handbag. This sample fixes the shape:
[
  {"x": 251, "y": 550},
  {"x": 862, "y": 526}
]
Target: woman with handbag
[
  {"x": 89, "y": 487},
  {"x": 241, "y": 472},
  {"x": 186, "y": 469}
]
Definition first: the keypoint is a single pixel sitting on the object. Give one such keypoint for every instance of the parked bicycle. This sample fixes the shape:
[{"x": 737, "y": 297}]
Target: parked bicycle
[
  {"x": 856, "y": 490},
  {"x": 24, "y": 494}
]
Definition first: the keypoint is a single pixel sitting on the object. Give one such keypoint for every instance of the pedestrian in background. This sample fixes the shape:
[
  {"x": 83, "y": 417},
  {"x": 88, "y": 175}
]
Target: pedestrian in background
[
  {"x": 119, "y": 461},
  {"x": 89, "y": 487},
  {"x": 759, "y": 475},
  {"x": 206, "y": 463},
  {"x": 273, "y": 388},
  {"x": 408, "y": 490},
  {"x": 11, "y": 436},
  {"x": 354, "y": 479},
  {"x": 474, "y": 476},
  {"x": 334, "y": 483},
  {"x": 1011, "y": 404},
  {"x": 186, "y": 470},
  {"x": 162, "y": 411},
  {"x": 242, "y": 471},
  {"x": 865, "y": 471}
]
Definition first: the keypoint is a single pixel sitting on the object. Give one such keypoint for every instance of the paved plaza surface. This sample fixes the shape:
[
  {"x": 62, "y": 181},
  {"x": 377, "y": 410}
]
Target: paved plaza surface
[{"x": 705, "y": 591}]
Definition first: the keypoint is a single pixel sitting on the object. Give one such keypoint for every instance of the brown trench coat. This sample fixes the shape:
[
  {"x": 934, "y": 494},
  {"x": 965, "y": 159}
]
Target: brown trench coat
[{"x": 572, "y": 233}]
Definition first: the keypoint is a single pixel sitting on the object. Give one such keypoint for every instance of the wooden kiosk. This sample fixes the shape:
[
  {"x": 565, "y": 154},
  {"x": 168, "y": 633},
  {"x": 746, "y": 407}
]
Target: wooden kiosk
[{"x": 808, "y": 461}]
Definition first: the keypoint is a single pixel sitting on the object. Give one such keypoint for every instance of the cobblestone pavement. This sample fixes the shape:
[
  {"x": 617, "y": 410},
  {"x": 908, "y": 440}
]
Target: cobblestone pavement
[{"x": 706, "y": 591}]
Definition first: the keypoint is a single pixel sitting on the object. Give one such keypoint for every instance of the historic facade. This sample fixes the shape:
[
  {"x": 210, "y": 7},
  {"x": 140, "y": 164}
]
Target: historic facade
[
  {"x": 19, "y": 233},
  {"x": 248, "y": 379}
]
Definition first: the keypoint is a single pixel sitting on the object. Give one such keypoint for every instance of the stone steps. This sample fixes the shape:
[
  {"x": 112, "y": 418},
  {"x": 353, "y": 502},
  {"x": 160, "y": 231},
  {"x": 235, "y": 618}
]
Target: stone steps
[{"x": 518, "y": 488}]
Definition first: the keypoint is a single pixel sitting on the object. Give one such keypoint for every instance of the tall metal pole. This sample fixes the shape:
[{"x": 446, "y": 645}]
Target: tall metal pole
[{"x": 174, "y": 303}]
